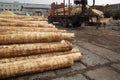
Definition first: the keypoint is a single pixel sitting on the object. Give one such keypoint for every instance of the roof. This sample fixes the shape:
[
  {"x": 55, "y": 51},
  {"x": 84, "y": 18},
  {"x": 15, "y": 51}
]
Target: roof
[
  {"x": 29, "y": 5},
  {"x": 113, "y": 4},
  {"x": 36, "y": 6}
]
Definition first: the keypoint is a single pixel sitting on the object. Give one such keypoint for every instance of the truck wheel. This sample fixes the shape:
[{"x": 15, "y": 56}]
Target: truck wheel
[
  {"x": 60, "y": 22},
  {"x": 64, "y": 23}
]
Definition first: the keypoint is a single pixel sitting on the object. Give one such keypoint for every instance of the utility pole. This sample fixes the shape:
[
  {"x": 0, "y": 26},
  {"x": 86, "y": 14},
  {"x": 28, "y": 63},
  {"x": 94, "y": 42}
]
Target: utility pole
[
  {"x": 64, "y": 7},
  {"x": 93, "y": 2}
]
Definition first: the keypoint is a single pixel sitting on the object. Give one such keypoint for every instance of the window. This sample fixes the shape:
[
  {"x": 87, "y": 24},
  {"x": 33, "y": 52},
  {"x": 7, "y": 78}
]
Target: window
[
  {"x": 9, "y": 9},
  {"x": 15, "y": 5},
  {"x": 1, "y": 5},
  {"x": 39, "y": 13},
  {"x": 14, "y": 9},
  {"x": 1, "y": 9},
  {"x": 9, "y": 5},
  {"x": 6, "y": 9},
  {"x": 17, "y": 9}
]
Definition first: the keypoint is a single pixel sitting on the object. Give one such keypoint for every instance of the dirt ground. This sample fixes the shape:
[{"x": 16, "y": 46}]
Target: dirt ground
[{"x": 105, "y": 38}]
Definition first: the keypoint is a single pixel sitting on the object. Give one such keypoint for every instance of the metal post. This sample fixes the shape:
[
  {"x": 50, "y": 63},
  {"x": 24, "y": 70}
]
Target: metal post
[
  {"x": 64, "y": 7},
  {"x": 56, "y": 8},
  {"x": 69, "y": 7},
  {"x": 93, "y": 3},
  {"x": 84, "y": 6}
]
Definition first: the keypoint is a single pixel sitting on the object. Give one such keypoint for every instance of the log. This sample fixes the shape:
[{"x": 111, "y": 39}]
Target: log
[
  {"x": 21, "y": 21},
  {"x": 25, "y": 31},
  {"x": 24, "y": 28},
  {"x": 13, "y": 28},
  {"x": 98, "y": 12},
  {"x": 13, "y": 22},
  {"x": 34, "y": 19},
  {"x": 33, "y": 49},
  {"x": 73, "y": 11},
  {"x": 21, "y": 24},
  {"x": 76, "y": 55},
  {"x": 35, "y": 37},
  {"x": 25, "y": 18},
  {"x": 34, "y": 65},
  {"x": 10, "y": 30}
]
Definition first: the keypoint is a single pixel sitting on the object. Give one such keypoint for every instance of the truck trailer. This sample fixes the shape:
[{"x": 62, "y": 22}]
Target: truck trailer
[{"x": 70, "y": 16}]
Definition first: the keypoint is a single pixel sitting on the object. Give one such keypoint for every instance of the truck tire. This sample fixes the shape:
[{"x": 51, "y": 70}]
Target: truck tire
[{"x": 64, "y": 23}]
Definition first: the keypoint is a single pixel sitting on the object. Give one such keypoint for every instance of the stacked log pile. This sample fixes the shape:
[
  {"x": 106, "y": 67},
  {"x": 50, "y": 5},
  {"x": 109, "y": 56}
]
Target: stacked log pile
[
  {"x": 29, "y": 49},
  {"x": 73, "y": 11},
  {"x": 77, "y": 10},
  {"x": 20, "y": 23}
]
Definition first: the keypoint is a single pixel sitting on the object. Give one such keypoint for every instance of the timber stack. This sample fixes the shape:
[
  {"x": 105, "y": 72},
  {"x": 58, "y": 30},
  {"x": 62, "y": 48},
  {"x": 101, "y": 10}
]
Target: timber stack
[{"x": 30, "y": 45}]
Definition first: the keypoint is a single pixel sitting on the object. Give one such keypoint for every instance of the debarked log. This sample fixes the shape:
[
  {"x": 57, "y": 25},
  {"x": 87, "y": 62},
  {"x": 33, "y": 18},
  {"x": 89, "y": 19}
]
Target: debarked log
[
  {"x": 4, "y": 30},
  {"x": 35, "y": 37},
  {"x": 34, "y": 65},
  {"x": 27, "y": 24},
  {"x": 74, "y": 53},
  {"x": 33, "y": 49}
]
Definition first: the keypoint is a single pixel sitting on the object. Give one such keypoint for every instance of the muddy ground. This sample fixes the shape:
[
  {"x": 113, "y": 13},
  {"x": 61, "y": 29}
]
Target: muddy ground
[{"x": 102, "y": 37}]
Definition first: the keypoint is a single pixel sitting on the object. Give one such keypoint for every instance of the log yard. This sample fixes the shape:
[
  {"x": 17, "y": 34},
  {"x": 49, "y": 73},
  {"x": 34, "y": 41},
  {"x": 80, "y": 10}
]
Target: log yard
[{"x": 64, "y": 40}]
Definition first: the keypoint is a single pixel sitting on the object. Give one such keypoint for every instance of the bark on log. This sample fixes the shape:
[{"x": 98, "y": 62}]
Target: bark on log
[
  {"x": 33, "y": 49},
  {"x": 21, "y": 24},
  {"x": 35, "y": 37},
  {"x": 13, "y": 22},
  {"x": 11, "y": 30},
  {"x": 34, "y": 65},
  {"x": 25, "y": 18},
  {"x": 75, "y": 53}
]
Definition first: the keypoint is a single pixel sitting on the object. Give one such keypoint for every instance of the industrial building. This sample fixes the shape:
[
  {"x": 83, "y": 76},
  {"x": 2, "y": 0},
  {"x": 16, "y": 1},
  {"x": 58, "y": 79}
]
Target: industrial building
[
  {"x": 25, "y": 8},
  {"x": 35, "y": 9},
  {"x": 14, "y": 7},
  {"x": 112, "y": 10}
]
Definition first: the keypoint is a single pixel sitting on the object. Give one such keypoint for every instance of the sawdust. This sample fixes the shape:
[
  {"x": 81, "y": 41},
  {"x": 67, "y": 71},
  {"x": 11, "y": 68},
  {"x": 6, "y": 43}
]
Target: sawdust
[{"x": 7, "y": 13}]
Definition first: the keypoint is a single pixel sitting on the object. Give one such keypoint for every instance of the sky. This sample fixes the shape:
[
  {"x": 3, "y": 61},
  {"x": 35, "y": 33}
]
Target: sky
[{"x": 98, "y": 2}]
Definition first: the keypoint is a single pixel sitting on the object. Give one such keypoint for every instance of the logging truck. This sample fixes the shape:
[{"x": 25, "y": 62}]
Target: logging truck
[{"x": 68, "y": 15}]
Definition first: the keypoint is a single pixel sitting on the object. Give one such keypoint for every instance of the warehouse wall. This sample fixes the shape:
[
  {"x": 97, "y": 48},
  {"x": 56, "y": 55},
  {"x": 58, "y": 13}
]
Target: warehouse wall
[
  {"x": 14, "y": 7},
  {"x": 112, "y": 10},
  {"x": 17, "y": 8},
  {"x": 35, "y": 12}
]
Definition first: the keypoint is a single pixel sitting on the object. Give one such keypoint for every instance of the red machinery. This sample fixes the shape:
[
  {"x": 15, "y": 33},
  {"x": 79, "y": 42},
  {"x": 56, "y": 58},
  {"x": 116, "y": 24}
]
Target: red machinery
[{"x": 66, "y": 19}]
